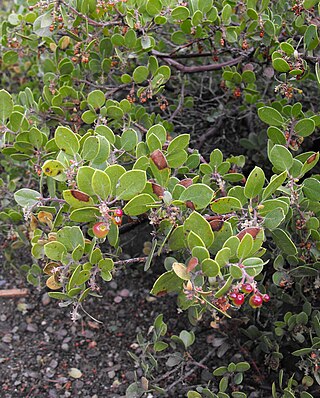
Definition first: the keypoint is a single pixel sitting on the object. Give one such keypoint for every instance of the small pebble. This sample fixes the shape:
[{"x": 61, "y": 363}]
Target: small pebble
[
  {"x": 31, "y": 327},
  {"x": 7, "y": 338},
  {"x": 124, "y": 293},
  {"x": 65, "y": 347},
  {"x": 45, "y": 299},
  {"x": 111, "y": 374},
  {"x": 53, "y": 364},
  {"x": 117, "y": 299},
  {"x": 113, "y": 285}
]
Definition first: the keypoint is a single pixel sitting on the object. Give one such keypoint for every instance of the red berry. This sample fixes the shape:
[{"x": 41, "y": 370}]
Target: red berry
[
  {"x": 100, "y": 230},
  {"x": 247, "y": 288},
  {"x": 118, "y": 212},
  {"x": 255, "y": 301},
  {"x": 233, "y": 295},
  {"x": 266, "y": 298},
  {"x": 239, "y": 300}
]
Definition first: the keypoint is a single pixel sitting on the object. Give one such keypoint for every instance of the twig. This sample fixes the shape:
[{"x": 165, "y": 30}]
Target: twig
[
  {"x": 198, "y": 68},
  {"x": 131, "y": 261},
  {"x": 180, "y": 104},
  {"x": 14, "y": 293},
  {"x": 191, "y": 371},
  {"x": 89, "y": 20}
]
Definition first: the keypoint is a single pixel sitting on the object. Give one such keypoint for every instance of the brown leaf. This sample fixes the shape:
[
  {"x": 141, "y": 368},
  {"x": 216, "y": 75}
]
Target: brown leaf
[
  {"x": 193, "y": 262},
  {"x": 216, "y": 223},
  {"x": 186, "y": 182},
  {"x": 80, "y": 195},
  {"x": 49, "y": 267},
  {"x": 52, "y": 283},
  {"x": 157, "y": 189},
  {"x": 159, "y": 159},
  {"x": 253, "y": 231},
  {"x": 45, "y": 217},
  {"x": 190, "y": 204},
  {"x": 312, "y": 158}
]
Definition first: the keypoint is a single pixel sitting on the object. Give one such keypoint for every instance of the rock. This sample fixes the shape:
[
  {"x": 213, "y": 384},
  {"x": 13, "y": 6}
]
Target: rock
[
  {"x": 75, "y": 373},
  {"x": 65, "y": 347},
  {"x": 130, "y": 375},
  {"x": 53, "y": 364},
  {"x": 7, "y": 338},
  {"x": 111, "y": 374},
  {"x": 45, "y": 299},
  {"x": 78, "y": 384},
  {"x": 117, "y": 299},
  {"x": 113, "y": 285},
  {"x": 32, "y": 327},
  {"x": 124, "y": 293}
]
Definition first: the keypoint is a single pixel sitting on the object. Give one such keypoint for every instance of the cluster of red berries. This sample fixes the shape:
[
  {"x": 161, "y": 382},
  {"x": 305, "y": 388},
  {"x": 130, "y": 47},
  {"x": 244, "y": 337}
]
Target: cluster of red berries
[{"x": 255, "y": 301}]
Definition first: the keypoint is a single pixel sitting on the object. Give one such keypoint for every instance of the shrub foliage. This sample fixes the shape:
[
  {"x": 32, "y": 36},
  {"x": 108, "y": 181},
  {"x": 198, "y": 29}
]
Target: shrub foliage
[{"x": 90, "y": 145}]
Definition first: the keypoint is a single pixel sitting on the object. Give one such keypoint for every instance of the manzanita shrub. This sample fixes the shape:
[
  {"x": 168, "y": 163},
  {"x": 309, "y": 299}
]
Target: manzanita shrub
[{"x": 88, "y": 137}]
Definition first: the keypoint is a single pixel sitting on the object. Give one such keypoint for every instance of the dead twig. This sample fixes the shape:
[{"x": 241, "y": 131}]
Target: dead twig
[{"x": 11, "y": 293}]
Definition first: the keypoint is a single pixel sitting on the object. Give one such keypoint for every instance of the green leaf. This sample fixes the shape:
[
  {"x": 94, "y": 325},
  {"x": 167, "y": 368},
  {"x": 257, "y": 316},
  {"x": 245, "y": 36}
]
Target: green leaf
[
  {"x": 179, "y": 142},
  {"x": 54, "y": 250},
  {"x": 210, "y": 267},
  {"x": 199, "y": 194},
  {"x": 199, "y": 225},
  {"x": 129, "y": 139},
  {"x": 180, "y": 13},
  {"x": 274, "y": 184},
  {"x": 58, "y": 296},
  {"x": 153, "y": 7},
  {"x": 159, "y": 131},
  {"x": 223, "y": 256},
  {"x": 114, "y": 171},
  {"x": 281, "y": 158},
  {"x": 10, "y": 57},
  {"x": 226, "y": 14},
  {"x": 140, "y": 74},
  {"x": 96, "y": 99},
  {"x": 115, "y": 112},
  {"x": 166, "y": 283},
  {"x": 101, "y": 184},
  {"x": 139, "y": 205},
  {"x": 305, "y": 127},
  {"x": 6, "y": 105},
  {"x": 177, "y": 239},
  {"x": 84, "y": 179},
  {"x": 311, "y": 38},
  {"x": 270, "y": 116},
  {"x": 274, "y": 218},
  {"x": 284, "y": 242},
  {"x": 130, "y": 184},
  {"x": 66, "y": 140},
  {"x": 26, "y": 197},
  {"x": 225, "y": 205},
  {"x": 311, "y": 188},
  {"x": 242, "y": 366},
  {"x": 225, "y": 288},
  {"x": 280, "y": 65},
  {"x": 245, "y": 246},
  {"x": 254, "y": 183},
  {"x": 90, "y": 148},
  {"x": 177, "y": 158},
  {"x": 71, "y": 237},
  {"x": 253, "y": 266}
]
